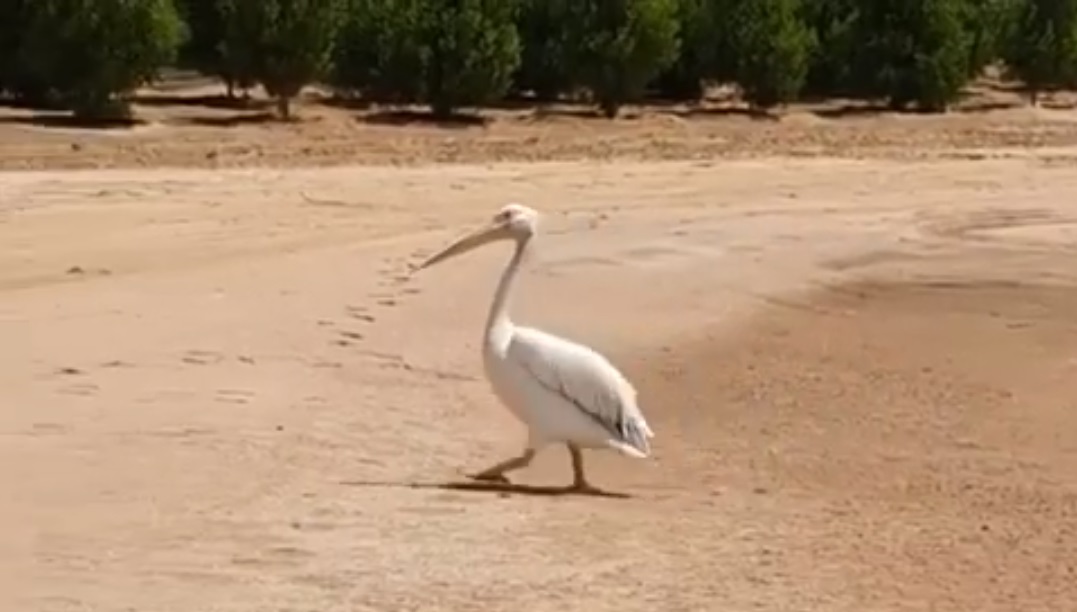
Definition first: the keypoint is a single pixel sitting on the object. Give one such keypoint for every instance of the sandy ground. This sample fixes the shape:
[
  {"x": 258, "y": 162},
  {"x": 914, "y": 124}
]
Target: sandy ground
[{"x": 222, "y": 390}]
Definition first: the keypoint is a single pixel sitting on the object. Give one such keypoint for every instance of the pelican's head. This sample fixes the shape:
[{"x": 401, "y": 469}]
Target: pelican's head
[
  {"x": 521, "y": 222},
  {"x": 513, "y": 222}
]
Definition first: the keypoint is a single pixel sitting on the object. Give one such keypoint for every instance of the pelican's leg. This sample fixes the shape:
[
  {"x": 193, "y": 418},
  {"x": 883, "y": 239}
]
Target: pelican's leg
[
  {"x": 579, "y": 481},
  {"x": 497, "y": 472}
]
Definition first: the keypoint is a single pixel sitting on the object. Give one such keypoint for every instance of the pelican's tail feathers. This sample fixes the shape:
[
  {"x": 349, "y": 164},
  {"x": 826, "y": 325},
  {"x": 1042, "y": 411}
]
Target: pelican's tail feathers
[{"x": 633, "y": 439}]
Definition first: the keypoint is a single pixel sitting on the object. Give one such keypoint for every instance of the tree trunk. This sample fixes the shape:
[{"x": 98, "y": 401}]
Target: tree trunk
[
  {"x": 442, "y": 110},
  {"x": 284, "y": 107},
  {"x": 609, "y": 108}
]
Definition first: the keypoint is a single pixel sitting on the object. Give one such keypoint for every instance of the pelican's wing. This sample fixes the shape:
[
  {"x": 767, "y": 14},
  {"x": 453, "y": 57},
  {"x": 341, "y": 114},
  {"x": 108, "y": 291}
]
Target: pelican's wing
[{"x": 585, "y": 379}]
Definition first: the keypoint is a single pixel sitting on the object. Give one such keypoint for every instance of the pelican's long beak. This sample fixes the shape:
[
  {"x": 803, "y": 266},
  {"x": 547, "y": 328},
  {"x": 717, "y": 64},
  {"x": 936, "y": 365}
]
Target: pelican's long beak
[{"x": 488, "y": 233}]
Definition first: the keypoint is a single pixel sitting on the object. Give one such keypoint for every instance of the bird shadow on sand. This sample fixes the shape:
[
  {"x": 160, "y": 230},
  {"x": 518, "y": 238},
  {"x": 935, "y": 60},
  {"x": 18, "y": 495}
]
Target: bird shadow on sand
[{"x": 496, "y": 488}]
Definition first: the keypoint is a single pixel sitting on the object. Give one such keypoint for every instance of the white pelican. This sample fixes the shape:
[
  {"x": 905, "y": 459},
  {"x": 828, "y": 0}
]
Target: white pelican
[{"x": 562, "y": 391}]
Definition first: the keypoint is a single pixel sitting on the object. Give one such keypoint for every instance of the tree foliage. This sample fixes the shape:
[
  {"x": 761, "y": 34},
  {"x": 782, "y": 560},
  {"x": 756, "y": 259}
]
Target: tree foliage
[
  {"x": 545, "y": 48},
  {"x": 205, "y": 29},
  {"x": 619, "y": 46},
  {"x": 474, "y": 51},
  {"x": 380, "y": 53},
  {"x": 770, "y": 45},
  {"x": 89, "y": 53},
  {"x": 910, "y": 51},
  {"x": 988, "y": 24},
  {"x": 448, "y": 54},
  {"x": 1042, "y": 46},
  {"x": 451, "y": 54},
  {"x": 284, "y": 44},
  {"x": 10, "y": 39},
  {"x": 831, "y": 61},
  {"x": 205, "y": 49},
  {"x": 700, "y": 36}
]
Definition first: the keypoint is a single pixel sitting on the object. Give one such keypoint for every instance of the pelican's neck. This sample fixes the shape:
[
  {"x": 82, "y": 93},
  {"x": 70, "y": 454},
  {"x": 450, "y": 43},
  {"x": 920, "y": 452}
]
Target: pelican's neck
[{"x": 498, "y": 324}]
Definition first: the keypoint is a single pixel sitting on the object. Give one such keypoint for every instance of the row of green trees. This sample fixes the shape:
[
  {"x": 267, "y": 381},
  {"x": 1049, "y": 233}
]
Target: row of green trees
[{"x": 449, "y": 54}]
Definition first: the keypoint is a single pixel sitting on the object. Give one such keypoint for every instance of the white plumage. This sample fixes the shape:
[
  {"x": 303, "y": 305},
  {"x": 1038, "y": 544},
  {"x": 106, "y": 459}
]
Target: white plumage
[
  {"x": 564, "y": 392},
  {"x": 586, "y": 397}
]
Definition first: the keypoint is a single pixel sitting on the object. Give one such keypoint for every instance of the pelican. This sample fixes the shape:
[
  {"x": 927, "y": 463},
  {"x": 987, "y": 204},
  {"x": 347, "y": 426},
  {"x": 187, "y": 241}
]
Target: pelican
[{"x": 564, "y": 392}]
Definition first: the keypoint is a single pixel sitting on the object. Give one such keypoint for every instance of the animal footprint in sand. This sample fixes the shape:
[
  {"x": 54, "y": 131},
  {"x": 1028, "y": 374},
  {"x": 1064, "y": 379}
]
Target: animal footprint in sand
[
  {"x": 389, "y": 296},
  {"x": 47, "y": 429},
  {"x": 347, "y": 338},
  {"x": 79, "y": 389},
  {"x": 397, "y": 276},
  {"x": 197, "y": 357},
  {"x": 233, "y": 396},
  {"x": 360, "y": 313},
  {"x": 278, "y": 556}
]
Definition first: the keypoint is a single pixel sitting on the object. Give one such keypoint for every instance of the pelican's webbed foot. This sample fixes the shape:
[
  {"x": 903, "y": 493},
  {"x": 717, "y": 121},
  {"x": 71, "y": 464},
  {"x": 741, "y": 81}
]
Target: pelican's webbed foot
[{"x": 497, "y": 472}]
